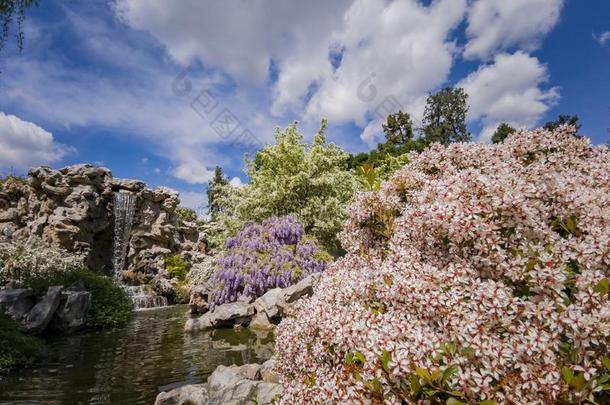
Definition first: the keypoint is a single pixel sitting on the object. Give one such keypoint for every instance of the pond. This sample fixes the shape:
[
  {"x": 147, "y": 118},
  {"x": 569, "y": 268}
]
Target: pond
[{"x": 131, "y": 365}]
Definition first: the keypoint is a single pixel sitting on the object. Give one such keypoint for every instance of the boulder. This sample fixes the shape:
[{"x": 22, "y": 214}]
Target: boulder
[
  {"x": 195, "y": 394},
  {"x": 232, "y": 313},
  {"x": 16, "y": 302},
  {"x": 303, "y": 288},
  {"x": 267, "y": 372},
  {"x": 41, "y": 314},
  {"x": 72, "y": 311},
  {"x": 268, "y": 303},
  {"x": 198, "y": 324},
  {"x": 261, "y": 321},
  {"x": 198, "y": 302}
]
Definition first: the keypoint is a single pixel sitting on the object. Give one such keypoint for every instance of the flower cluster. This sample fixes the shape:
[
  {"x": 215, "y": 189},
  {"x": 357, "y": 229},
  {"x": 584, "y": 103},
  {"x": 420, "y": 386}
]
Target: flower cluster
[
  {"x": 275, "y": 253},
  {"x": 22, "y": 261},
  {"x": 476, "y": 273}
]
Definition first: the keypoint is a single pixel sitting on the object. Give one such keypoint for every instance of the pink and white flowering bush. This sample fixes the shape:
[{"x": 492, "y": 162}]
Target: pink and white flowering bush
[{"x": 476, "y": 274}]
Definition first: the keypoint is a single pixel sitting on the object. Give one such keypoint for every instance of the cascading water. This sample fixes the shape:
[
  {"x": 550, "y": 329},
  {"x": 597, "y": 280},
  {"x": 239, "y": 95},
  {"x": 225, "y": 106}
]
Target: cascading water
[
  {"x": 141, "y": 296},
  {"x": 124, "y": 209}
]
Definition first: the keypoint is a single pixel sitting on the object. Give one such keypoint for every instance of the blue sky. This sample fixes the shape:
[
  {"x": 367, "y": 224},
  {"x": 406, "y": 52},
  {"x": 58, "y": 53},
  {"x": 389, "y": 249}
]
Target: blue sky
[{"x": 164, "y": 91}]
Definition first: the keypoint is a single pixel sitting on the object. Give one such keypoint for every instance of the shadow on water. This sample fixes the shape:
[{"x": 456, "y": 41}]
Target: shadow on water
[{"x": 131, "y": 365}]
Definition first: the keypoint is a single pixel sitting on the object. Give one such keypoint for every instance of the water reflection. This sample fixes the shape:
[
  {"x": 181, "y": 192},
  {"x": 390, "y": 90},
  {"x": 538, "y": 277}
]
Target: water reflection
[{"x": 132, "y": 364}]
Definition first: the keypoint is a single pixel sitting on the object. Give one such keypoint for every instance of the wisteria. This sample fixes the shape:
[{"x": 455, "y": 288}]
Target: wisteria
[
  {"x": 275, "y": 253},
  {"x": 476, "y": 273}
]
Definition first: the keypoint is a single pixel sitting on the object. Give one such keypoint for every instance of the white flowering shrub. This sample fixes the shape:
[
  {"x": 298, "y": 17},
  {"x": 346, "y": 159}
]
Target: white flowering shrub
[
  {"x": 23, "y": 261},
  {"x": 477, "y": 274}
]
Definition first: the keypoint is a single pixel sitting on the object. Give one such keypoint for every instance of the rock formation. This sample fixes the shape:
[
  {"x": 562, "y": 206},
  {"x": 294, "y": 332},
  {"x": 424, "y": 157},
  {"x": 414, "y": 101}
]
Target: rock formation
[
  {"x": 237, "y": 385},
  {"x": 72, "y": 208}
]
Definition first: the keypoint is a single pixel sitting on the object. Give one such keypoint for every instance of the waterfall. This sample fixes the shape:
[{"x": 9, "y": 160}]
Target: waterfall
[
  {"x": 143, "y": 297},
  {"x": 124, "y": 208}
]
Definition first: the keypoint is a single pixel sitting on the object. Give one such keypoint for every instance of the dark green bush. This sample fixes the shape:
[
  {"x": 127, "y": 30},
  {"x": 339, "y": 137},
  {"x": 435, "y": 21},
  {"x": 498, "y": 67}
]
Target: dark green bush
[
  {"x": 16, "y": 348},
  {"x": 110, "y": 305}
]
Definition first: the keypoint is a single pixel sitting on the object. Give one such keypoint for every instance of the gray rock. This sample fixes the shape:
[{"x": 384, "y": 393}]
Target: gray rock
[
  {"x": 223, "y": 377},
  {"x": 260, "y": 321},
  {"x": 16, "y": 302},
  {"x": 127, "y": 184},
  {"x": 198, "y": 324},
  {"x": 303, "y": 288},
  {"x": 72, "y": 311},
  {"x": 267, "y": 393},
  {"x": 268, "y": 303},
  {"x": 267, "y": 372},
  {"x": 241, "y": 393},
  {"x": 41, "y": 314},
  {"x": 195, "y": 394},
  {"x": 226, "y": 314}
]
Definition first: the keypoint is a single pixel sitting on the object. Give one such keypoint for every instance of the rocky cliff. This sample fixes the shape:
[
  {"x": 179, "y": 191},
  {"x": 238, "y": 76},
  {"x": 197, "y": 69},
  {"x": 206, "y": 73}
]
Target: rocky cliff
[{"x": 72, "y": 208}]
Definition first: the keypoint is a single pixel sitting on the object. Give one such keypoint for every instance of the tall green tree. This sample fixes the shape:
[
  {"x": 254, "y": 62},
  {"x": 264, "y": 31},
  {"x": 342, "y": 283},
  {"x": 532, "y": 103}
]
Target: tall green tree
[
  {"x": 445, "y": 116},
  {"x": 398, "y": 129},
  {"x": 13, "y": 11},
  {"x": 502, "y": 132},
  {"x": 310, "y": 181},
  {"x": 216, "y": 189},
  {"x": 563, "y": 119}
]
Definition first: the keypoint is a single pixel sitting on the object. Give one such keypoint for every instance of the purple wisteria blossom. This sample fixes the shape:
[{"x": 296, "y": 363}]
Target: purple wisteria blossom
[{"x": 275, "y": 253}]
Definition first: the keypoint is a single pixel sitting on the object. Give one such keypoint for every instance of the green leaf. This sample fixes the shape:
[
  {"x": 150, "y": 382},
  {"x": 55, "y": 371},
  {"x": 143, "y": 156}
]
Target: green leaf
[
  {"x": 359, "y": 357},
  {"x": 567, "y": 374},
  {"x": 385, "y": 359},
  {"x": 606, "y": 362},
  {"x": 455, "y": 401},
  {"x": 602, "y": 287},
  {"x": 578, "y": 381},
  {"x": 415, "y": 385},
  {"x": 449, "y": 371},
  {"x": 488, "y": 402},
  {"x": 423, "y": 374}
]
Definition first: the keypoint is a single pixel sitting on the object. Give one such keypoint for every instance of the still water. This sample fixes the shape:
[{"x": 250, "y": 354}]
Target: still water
[{"x": 131, "y": 365}]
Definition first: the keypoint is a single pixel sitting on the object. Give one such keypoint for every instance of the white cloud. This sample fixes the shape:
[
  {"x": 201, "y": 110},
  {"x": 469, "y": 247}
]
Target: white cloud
[
  {"x": 508, "y": 90},
  {"x": 404, "y": 44},
  {"x": 496, "y": 25},
  {"x": 236, "y": 182},
  {"x": 24, "y": 144},
  {"x": 602, "y": 38},
  {"x": 193, "y": 172},
  {"x": 194, "y": 200}
]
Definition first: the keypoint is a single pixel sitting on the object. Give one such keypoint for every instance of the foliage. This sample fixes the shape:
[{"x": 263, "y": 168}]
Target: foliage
[
  {"x": 10, "y": 9},
  {"x": 36, "y": 266},
  {"x": 23, "y": 261},
  {"x": 185, "y": 215},
  {"x": 182, "y": 293},
  {"x": 275, "y": 253},
  {"x": 398, "y": 128},
  {"x": 177, "y": 267},
  {"x": 445, "y": 116},
  {"x": 310, "y": 182},
  {"x": 16, "y": 348},
  {"x": 476, "y": 274},
  {"x": 389, "y": 155},
  {"x": 563, "y": 120},
  {"x": 502, "y": 132},
  {"x": 216, "y": 191}
]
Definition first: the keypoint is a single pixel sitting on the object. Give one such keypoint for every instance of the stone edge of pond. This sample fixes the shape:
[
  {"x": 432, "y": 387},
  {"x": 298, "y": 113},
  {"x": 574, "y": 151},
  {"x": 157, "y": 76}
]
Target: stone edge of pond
[{"x": 245, "y": 384}]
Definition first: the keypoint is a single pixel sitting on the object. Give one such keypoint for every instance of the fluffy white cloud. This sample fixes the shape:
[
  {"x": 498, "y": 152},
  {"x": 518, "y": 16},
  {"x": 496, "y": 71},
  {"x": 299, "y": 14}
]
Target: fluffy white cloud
[
  {"x": 193, "y": 172},
  {"x": 236, "y": 182},
  {"x": 602, "y": 38},
  {"x": 403, "y": 46},
  {"x": 495, "y": 25},
  {"x": 508, "y": 90},
  {"x": 24, "y": 144}
]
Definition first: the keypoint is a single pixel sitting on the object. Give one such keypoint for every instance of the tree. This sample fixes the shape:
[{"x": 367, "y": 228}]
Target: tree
[
  {"x": 502, "y": 132},
  {"x": 10, "y": 9},
  {"x": 311, "y": 182},
  {"x": 399, "y": 135},
  {"x": 398, "y": 129},
  {"x": 215, "y": 190},
  {"x": 563, "y": 119},
  {"x": 445, "y": 116}
]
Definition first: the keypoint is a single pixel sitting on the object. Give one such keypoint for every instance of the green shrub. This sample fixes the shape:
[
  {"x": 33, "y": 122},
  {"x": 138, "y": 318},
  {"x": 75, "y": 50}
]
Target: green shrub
[
  {"x": 185, "y": 215},
  {"x": 16, "y": 348},
  {"x": 177, "y": 267},
  {"x": 182, "y": 294},
  {"x": 110, "y": 305}
]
